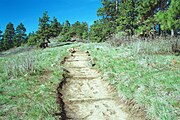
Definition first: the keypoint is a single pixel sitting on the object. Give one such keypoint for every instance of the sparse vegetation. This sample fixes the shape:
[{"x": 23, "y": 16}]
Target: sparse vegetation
[
  {"x": 28, "y": 83},
  {"x": 20, "y": 65},
  {"x": 142, "y": 71}
]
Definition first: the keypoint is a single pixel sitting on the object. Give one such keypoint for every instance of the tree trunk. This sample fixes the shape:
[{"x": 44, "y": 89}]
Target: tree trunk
[
  {"x": 116, "y": 7},
  {"x": 159, "y": 29},
  {"x": 172, "y": 32},
  {"x": 133, "y": 18}
]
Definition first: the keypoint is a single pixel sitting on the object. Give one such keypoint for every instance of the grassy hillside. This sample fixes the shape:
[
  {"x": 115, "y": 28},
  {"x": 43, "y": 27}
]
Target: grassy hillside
[
  {"x": 143, "y": 72},
  {"x": 28, "y": 83}
]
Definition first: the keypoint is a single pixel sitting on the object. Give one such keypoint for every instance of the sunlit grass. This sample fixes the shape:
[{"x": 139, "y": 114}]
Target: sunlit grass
[
  {"x": 28, "y": 83},
  {"x": 149, "y": 78}
]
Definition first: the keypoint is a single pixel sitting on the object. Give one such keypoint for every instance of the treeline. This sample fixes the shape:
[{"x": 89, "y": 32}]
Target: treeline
[
  {"x": 75, "y": 31},
  {"x": 16, "y": 37},
  {"x": 136, "y": 17},
  {"x": 143, "y": 18},
  {"x": 12, "y": 37},
  {"x": 50, "y": 29},
  {"x": 47, "y": 29}
]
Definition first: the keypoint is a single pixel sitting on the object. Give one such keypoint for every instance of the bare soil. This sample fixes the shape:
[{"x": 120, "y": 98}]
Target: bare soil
[{"x": 87, "y": 96}]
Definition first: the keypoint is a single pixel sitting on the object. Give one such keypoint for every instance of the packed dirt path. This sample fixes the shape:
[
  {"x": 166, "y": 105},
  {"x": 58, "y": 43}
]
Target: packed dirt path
[{"x": 86, "y": 95}]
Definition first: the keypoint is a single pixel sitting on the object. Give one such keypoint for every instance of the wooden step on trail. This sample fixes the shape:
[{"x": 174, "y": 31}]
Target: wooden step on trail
[
  {"x": 84, "y": 78},
  {"x": 76, "y": 60},
  {"x": 88, "y": 99}
]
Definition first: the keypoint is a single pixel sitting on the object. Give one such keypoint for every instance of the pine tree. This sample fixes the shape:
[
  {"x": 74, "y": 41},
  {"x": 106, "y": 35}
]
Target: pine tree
[
  {"x": 84, "y": 28},
  {"x": 20, "y": 36},
  {"x": 108, "y": 10},
  {"x": 126, "y": 16},
  {"x": 109, "y": 14},
  {"x": 76, "y": 30},
  {"x": 32, "y": 39},
  {"x": 106, "y": 26},
  {"x": 174, "y": 16},
  {"x": 55, "y": 28},
  {"x": 65, "y": 33},
  {"x": 66, "y": 27},
  {"x": 79, "y": 30},
  {"x": 147, "y": 9},
  {"x": 8, "y": 36},
  {"x": 96, "y": 32},
  {"x": 169, "y": 18},
  {"x": 43, "y": 32}
]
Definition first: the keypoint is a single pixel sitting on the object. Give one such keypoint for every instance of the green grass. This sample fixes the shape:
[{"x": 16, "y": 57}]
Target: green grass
[
  {"x": 28, "y": 83},
  {"x": 145, "y": 75},
  {"x": 141, "y": 71}
]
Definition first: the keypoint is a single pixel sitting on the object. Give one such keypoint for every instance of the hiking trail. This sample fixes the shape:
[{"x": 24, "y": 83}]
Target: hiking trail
[{"x": 86, "y": 95}]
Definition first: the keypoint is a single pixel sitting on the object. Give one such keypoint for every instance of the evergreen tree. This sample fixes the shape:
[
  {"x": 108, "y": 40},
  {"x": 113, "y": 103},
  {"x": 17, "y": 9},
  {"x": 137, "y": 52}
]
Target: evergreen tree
[
  {"x": 109, "y": 14},
  {"x": 96, "y": 31},
  {"x": 85, "y": 33},
  {"x": 76, "y": 29},
  {"x": 65, "y": 28},
  {"x": 8, "y": 36},
  {"x": 80, "y": 30},
  {"x": 107, "y": 25},
  {"x": 32, "y": 39},
  {"x": 43, "y": 32},
  {"x": 65, "y": 33},
  {"x": 170, "y": 19},
  {"x": 147, "y": 9},
  {"x": 20, "y": 36},
  {"x": 108, "y": 10},
  {"x": 55, "y": 28},
  {"x": 174, "y": 16},
  {"x": 126, "y": 16}
]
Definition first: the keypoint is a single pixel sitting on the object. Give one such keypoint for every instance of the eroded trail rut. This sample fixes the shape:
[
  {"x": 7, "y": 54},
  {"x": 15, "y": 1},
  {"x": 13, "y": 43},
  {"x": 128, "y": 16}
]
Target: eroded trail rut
[{"x": 86, "y": 95}]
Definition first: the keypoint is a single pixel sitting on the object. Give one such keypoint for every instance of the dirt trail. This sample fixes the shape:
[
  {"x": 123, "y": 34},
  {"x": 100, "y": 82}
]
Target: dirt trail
[{"x": 86, "y": 95}]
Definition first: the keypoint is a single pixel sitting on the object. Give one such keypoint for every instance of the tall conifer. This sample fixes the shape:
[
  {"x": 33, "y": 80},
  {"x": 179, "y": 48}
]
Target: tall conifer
[
  {"x": 8, "y": 37},
  {"x": 20, "y": 36}
]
